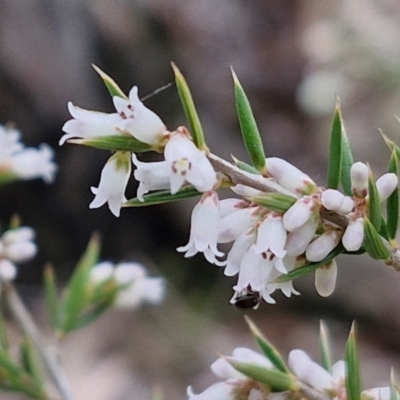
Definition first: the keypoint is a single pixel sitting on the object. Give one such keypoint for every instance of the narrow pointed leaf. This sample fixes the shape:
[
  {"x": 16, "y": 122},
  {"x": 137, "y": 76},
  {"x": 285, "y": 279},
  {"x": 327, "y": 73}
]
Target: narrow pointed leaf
[
  {"x": 353, "y": 379},
  {"x": 335, "y": 149},
  {"x": 4, "y": 345},
  {"x": 115, "y": 143},
  {"x": 373, "y": 242},
  {"x": 112, "y": 87},
  {"x": 248, "y": 126},
  {"x": 76, "y": 295},
  {"x": 347, "y": 162},
  {"x": 50, "y": 288},
  {"x": 374, "y": 203},
  {"x": 267, "y": 348},
  {"x": 392, "y": 203},
  {"x": 190, "y": 109},
  {"x": 394, "y": 390},
  {"x": 278, "y": 381},
  {"x": 245, "y": 167},
  {"x": 310, "y": 267},
  {"x": 324, "y": 347},
  {"x": 30, "y": 362},
  {"x": 161, "y": 197},
  {"x": 274, "y": 201}
]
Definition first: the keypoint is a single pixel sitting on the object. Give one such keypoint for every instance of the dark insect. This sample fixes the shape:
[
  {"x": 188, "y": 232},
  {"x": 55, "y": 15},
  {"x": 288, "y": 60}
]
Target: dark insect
[{"x": 248, "y": 299}]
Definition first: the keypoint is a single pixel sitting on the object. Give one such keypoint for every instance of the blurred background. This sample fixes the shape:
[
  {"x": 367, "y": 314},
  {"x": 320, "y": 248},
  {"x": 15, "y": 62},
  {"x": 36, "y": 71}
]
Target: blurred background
[{"x": 292, "y": 57}]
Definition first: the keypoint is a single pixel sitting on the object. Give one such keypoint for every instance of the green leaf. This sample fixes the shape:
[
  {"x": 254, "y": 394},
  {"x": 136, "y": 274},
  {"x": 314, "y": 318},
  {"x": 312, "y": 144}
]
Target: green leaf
[
  {"x": 278, "y": 381},
  {"x": 347, "y": 162},
  {"x": 274, "y": 201},
  {"x": 353, "y": 379},
  {"x": 267, "y": 348},
  {"x": 30, "y": 362},
  {"x": 392, "y": 203},
  {"x": 161, "y": 197},
  {"x": 50, "y": 289},
  {"x": 123, "y": 142},
  {"x": 76, "y": 295},
  {"x": 245, "y": 167},
  {"x": 324, "y": 347},
  {"x": 335, "y": 149},
  {"x": 373, "y": 242},
  {"x": 310, "y": 267},
  {"x": 112, "y": 87},
  {"x": 4, "y": 345},
  {"x": 189, "y": 108},
  {"x": 374, "y": 203},
  {"x": 248, "y": 126}
]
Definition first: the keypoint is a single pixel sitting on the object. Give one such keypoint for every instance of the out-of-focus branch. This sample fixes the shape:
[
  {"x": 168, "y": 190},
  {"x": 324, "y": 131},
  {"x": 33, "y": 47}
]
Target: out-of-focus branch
[{"x": 49, "y": 357}]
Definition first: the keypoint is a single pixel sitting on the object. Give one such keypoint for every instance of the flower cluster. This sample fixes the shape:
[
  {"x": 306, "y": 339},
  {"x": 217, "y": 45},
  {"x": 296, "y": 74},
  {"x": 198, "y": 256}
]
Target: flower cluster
[
  {"x": 184, "y": 162},
  {"x": 268, "y": 244},
  {"x": 136, "y": 286},
  {"x": 237, "y": 386},
  {"x": 20, "y": 162},
  {"x": 16, "y": 246}
]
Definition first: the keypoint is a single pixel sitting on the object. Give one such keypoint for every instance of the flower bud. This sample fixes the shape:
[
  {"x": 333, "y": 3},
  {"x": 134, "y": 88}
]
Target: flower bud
[
  {"x": 325, "y": 279},
  {"x": 298, "y": 240},
  {"x": 298, "y": 214},
  {"x": 8, "y": 271},
  {"x": 288, "y": 176},
  {"x": 359, "y": 179},
  {"x": 386, "y": 185},
  {"x": 322, "y": 246},
  {"x": 332, "y": 199},
  {"x": 354, "y": 235}
]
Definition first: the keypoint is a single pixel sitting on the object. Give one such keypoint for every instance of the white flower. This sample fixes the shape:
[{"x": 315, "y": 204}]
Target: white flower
[
  {"x": 113, "y": 181},
  {"x": 290, "y": 177},
  {"x": 354, "y": 235},
  {"x": 234, "y": 223},
  {"x": 137, "y": 119},
  {"x": 317, "y": 377},
  {"x": 186, "y": 163},
  {"x": 298, "y": 240},
  {"x": 235, "y": 385},
  {"x": 16, "y": 246},
  {"x": 204, "y": 229},
  {"x": 386, "y": 185},
  {"x": 271, "y": 236},
  {"x": 359, "y": 179},
  {"x": 34, "y": 163},
  {"x": 322, "y": 245},
  {"x": 25, "y": 162},
  {"x": 299, "y": 213},
  {"x": 334, "y": 200},
  {"x": 136, "y": 286},
  {"x": 325, "y": 279},
  {"x": 152, "y": 176},
  {"x": 86, "y": 124}
]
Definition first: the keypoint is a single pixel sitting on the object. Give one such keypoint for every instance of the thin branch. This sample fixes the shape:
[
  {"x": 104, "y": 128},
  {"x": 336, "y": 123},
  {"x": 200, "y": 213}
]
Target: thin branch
[{"x": 50, "y": 359}]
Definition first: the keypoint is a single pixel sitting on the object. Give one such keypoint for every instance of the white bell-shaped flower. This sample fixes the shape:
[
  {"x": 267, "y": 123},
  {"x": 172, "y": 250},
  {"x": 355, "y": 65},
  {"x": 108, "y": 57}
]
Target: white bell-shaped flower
[
  {"x": 113, "y": 181},
  {"x": 186, "y": 163},
  {"x": 204, "y": 229},
  {"x": 271, "y": 236},
  {"x": 299, "y": 213},
  {"x": 137, "y": 120},
  {"x": 322, "y": 245},
  {"x": 86, "y": 124},
  {"x": 298, "y": 240}
]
